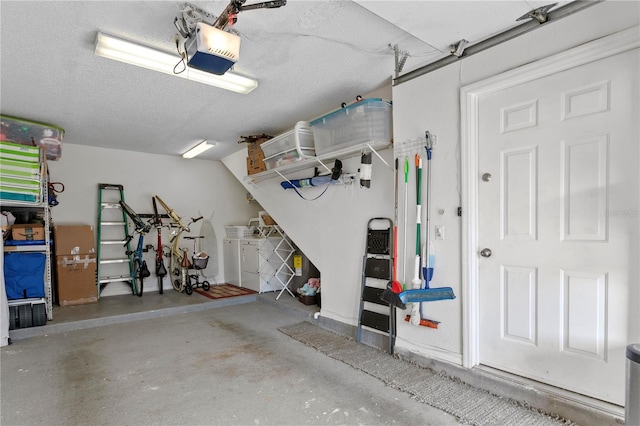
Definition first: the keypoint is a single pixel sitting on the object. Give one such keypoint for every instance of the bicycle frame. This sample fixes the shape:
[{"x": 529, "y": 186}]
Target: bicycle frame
[
  {"x": 175, "y": 251},
  {"x": 140, "y": 269},
  {"x": 161, "y": 271}
]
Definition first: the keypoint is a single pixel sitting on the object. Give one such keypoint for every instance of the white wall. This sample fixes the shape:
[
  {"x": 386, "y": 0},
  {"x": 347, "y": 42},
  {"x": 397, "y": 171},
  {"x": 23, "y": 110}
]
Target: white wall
[
  {"x": 191, "y": 187},
  {"x": 331, "y": 231},
  {"x": 432, "y": 102}
]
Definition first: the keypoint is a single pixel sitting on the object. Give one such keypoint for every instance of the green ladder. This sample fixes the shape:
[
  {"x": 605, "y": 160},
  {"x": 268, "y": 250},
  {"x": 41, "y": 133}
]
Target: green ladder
[{"x": 114, "y": 264}]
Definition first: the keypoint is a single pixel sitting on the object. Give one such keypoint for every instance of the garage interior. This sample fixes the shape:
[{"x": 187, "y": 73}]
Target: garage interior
[{"x": 504, "y": 258}]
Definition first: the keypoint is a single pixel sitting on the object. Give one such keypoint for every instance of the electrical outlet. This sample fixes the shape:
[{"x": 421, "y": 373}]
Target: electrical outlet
[{"x": 439, "y": 232}]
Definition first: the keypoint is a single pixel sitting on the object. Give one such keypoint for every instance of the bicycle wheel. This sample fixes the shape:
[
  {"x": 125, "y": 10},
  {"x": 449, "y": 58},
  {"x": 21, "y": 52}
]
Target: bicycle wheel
[
  {"x": 205, "y": 285},
  {"x": 138, "y": 279},
  {"x": 176, "y": 285},
  {"x": 188, "y": 289},
  {"x": 176, "y": 259}
]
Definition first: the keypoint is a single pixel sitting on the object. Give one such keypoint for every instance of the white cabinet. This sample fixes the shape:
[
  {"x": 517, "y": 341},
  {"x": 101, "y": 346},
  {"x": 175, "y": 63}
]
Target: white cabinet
[
  {"x": 259, "y": 269},
  {"x": 231, "y": 254},
  {"x": 251, "y": 263}
]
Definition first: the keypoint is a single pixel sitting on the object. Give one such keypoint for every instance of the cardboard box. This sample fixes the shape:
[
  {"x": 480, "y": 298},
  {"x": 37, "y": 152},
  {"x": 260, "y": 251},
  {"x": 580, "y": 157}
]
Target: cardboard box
[
  {"x": 73, "y": 240},
  {"x": 307, "y": 300},
  {"x": 27, "y": 232},
  {"x": 76, "y": 279},
  {"x": 255, "y": 166}
]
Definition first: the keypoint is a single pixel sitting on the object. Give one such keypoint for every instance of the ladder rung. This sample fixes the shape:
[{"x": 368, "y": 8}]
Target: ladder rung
[
  {"x": 112, "y": 223},
  {"x": 115, "y": 278},
  {"x": 106, "y": 261},
  {"x": 112, "y": 242},
  {"x": 113, "y": 205},
  {"x": 110, "y": 186}
]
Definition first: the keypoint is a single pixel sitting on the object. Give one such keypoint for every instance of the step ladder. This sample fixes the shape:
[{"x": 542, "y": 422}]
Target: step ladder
[
  {"x": 377, "y": 268},
  {"x": 114, "y": 264}
]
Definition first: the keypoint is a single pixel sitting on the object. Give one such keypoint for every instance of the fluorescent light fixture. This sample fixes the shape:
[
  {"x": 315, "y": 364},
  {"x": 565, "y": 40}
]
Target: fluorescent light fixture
[
  {"x": 156, "y": 60},
  {"x": 198, "y": 149}
]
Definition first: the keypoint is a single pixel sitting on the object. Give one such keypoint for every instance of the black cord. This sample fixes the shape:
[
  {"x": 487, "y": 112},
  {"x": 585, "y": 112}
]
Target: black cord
[{"x": 311, "y": 199}]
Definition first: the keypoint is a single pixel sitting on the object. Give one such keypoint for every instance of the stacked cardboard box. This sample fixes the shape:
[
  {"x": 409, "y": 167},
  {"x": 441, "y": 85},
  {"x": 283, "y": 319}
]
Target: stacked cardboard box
[
  {"x": 27, "y": 232},
  {"x": 255, "y": 156},
  {"x": 75, "y": 264}
]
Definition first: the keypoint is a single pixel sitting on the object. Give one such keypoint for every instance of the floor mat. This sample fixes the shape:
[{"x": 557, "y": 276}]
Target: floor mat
[
  {"x": 223, "y": 291},
  {"x": 470, "y": 405}
]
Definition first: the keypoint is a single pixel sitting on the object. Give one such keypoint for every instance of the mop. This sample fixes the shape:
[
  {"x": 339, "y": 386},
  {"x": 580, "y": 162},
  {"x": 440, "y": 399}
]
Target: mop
[{"x": 416, "y": 282}]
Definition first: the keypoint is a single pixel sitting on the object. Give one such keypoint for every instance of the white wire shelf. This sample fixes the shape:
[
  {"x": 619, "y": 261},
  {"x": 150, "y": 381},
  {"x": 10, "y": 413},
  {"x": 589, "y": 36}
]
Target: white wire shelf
[{"x": 318, "y": 160}]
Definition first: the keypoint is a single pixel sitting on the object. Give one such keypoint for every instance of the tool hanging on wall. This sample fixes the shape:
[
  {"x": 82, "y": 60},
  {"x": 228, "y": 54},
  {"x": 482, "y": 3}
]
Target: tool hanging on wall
[
  {"x": 365, "y": 170},
  {"x": 394, "y": 287},
  {"x": 416, "y": 282},
  {"x": 337, "y": 177},
  {"x": 416, "y": 295}
]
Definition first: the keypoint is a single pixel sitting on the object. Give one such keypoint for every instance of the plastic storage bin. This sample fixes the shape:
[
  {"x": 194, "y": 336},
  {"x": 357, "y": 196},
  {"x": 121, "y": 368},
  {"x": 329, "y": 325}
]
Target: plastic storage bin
[
  {"x": 24, "y": 275},
  {"x": 365, "y": 121},
  {"x": 239, "y": 231},
  {"x": 25, "y": 132},
  {"x": 290, "y": 147}
]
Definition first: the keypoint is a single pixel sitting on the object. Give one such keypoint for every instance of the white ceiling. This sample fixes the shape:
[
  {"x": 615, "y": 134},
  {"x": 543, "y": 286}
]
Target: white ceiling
[{"x": 308, "y": 57}]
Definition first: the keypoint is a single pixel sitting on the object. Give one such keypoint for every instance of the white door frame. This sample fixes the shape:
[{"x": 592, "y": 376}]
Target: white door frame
[{"x": 469, "y": 109}]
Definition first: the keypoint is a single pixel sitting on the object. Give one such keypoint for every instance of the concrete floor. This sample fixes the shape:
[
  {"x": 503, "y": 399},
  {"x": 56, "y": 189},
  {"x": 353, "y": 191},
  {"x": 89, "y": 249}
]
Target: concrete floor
[{"x": 202, "y": 363}]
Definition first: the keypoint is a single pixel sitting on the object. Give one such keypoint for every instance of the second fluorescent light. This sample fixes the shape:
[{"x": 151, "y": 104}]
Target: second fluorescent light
[
  {"x": 198, "y": 149},
  {"x": 156, "y": 60}
]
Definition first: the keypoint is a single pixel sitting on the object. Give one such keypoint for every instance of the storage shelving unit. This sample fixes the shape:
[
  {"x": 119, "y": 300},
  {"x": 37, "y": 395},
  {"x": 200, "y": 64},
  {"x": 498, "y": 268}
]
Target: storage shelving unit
[{"x": 41, "y": 207}]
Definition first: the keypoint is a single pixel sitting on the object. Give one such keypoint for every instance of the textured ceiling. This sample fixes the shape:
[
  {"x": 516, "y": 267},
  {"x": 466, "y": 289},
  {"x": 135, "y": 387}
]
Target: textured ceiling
[{"x": 308, "y": 58}]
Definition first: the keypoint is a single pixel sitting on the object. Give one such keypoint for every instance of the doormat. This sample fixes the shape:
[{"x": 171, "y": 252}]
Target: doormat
[
  {"x": 468, "y": 404},
  {"x": 223, "y": 291}
]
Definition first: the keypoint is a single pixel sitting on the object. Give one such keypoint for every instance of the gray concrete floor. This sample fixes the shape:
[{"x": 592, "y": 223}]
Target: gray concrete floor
[{"x": 201, "y": 363}]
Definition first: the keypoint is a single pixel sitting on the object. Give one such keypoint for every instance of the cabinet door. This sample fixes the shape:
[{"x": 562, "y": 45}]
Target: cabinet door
[
  {"x": 231, "y": 253},
  {"x": 250, "y": 265}
]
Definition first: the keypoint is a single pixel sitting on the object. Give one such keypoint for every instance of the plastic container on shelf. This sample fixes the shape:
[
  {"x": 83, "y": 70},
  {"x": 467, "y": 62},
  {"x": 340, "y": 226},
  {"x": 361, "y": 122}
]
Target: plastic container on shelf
[
  {"x": 30, "y": 133},
  {"x": 288, "y": 157},
  {"x": 365, "y": 121},
  {"x": 289, "y": 147},
  {"x": 239, "y": 231}
]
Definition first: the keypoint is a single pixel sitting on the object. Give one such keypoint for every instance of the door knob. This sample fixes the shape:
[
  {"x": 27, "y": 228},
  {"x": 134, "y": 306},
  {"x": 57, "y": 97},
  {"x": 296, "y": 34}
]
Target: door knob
[
  {"x": 485, "y": 252},
  {"x": 486, "y": 177}
]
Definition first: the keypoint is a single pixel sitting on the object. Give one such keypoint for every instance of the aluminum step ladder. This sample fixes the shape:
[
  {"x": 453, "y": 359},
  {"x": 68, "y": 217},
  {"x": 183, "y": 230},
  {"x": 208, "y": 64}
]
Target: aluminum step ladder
[
  {"x": 114, "y": 264},
  {"x": 377, "y": 271}
]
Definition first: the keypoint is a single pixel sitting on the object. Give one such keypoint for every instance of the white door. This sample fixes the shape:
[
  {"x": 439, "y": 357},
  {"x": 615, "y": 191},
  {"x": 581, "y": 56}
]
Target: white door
[{"x": 558, "y": 209}]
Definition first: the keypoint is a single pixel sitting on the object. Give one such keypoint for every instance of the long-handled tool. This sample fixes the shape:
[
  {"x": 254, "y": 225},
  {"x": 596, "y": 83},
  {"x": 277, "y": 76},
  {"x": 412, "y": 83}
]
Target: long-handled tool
[
  {"x": 427, "y": 294},
  {"x": 394, "y": 287},
  {"x": 416, "y": 282},
  {"x": 429, "y": 257},
  {"x": 404, "y": 223}
]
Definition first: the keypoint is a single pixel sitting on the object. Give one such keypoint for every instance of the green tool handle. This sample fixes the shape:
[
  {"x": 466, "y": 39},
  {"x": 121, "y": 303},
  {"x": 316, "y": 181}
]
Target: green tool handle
[{"x": 406, "y": 169}]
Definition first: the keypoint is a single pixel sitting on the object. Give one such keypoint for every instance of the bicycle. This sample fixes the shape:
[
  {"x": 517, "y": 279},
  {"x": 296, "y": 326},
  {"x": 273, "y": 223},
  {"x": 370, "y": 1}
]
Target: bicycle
[
  {"x": 175, "y": 253},
  {"x": 161, "y": 271},
  {"x": 199, "y": 262},
  {"x": 140, "y": 269}
]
